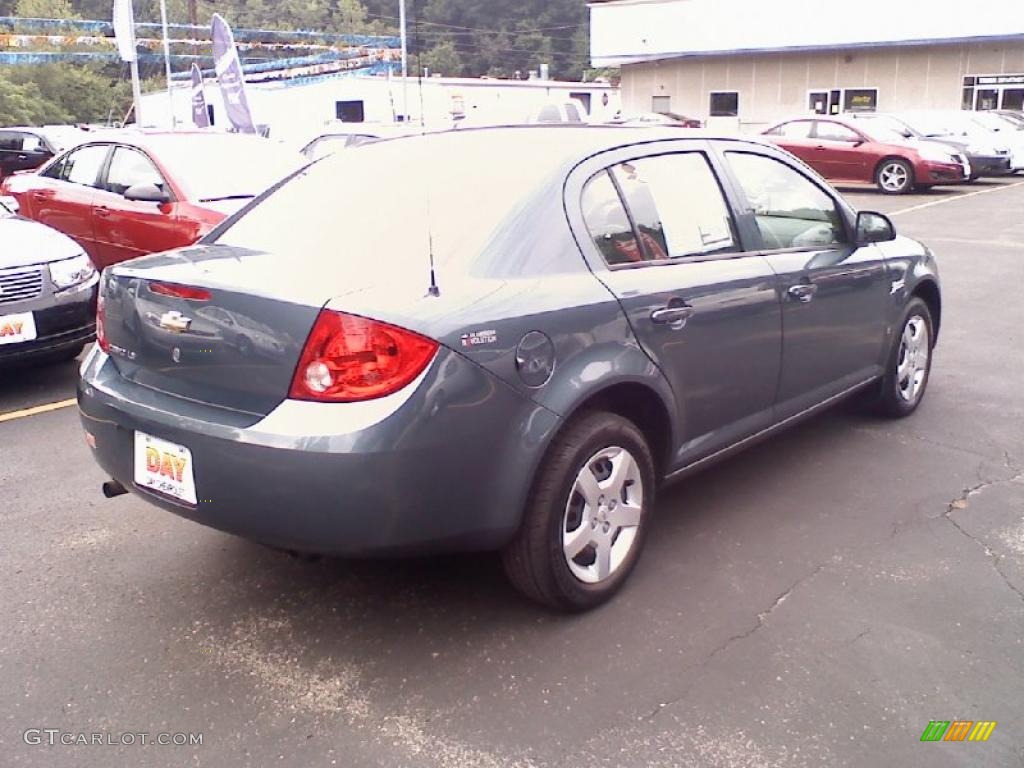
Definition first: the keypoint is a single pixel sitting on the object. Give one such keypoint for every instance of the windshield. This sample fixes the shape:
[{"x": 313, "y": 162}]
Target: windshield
[
  {"x": 882, "y": 130},
  {"x": 993, "y": 122},
  {"x": 200, "y": 163},
  {"x": 932, "y": 125}
]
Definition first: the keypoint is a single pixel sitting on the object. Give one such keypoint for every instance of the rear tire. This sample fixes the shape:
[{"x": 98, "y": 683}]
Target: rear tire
[
  {"x": 587, "y": 515},
  {"x": 909, "y": 364},
  {"x": 894, "y": 176}
]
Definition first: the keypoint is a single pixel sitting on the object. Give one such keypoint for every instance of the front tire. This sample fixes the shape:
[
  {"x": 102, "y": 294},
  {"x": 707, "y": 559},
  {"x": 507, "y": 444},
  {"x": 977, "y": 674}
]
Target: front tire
[
  {"x": 587, "y": 515},
  {"x": 909, "y": 363},
  {"x": 894, "y": 176}
]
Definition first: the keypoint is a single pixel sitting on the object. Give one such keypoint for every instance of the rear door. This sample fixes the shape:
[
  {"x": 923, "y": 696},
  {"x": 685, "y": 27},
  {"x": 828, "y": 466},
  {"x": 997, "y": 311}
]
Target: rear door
[
  {"x": 841, "y": 153},
  {"x": 834, "y": 295},
  {"x": 657, "y": 231},
  {"x": 64, "y": 195},
  {"x": 126, "y": 229}
]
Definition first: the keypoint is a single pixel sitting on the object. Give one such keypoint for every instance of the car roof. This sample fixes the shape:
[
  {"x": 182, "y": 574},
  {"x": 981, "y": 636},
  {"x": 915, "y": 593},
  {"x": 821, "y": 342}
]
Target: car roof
[{"x": 570, "y": 140}]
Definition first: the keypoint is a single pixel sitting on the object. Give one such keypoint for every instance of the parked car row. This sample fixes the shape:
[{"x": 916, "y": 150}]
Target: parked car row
[{"x": 905, "y": 151}]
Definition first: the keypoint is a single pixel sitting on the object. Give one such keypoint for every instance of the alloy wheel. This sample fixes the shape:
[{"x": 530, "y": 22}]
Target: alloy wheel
[
  {"x": 894, "y": 177},
  {"x": 602, "y": 515},
  {"x": 913, "y": 358}
]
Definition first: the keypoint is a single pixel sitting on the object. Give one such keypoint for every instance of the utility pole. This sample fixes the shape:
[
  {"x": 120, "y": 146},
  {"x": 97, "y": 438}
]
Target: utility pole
[
  {"x": 405, "y": 61},
  {"x": 167, "y": 62}
]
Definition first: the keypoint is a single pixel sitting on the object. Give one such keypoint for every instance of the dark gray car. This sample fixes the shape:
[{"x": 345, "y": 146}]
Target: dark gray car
[
  {"x": 48, "y": 291},
  {"x": 501, "y": 339}
]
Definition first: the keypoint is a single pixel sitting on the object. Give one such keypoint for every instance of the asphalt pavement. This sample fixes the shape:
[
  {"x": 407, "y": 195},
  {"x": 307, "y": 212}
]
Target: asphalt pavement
[{"x": 814, "y": 601}]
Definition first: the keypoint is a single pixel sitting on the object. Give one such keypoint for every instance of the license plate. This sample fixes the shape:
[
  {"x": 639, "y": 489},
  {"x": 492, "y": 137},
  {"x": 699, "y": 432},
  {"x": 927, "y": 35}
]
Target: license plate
[
  {"x": 17, "y": 328},
  {"x": 164, "y": 467}
]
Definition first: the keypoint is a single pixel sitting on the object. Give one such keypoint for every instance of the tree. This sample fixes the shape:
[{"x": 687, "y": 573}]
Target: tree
[
  {"x": 442, "y": 59},
  {"x": 45, "y": 9}
]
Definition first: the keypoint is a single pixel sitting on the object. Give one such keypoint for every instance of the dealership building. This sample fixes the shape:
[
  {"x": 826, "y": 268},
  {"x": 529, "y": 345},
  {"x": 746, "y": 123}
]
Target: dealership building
[{"x": 751, "y": 62}]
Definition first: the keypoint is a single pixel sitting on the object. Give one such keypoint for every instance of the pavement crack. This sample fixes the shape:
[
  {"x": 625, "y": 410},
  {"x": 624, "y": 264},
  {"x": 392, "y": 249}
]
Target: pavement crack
[
  {"x": 760, "y": 621},
  {"x": 960, "y": 503}
]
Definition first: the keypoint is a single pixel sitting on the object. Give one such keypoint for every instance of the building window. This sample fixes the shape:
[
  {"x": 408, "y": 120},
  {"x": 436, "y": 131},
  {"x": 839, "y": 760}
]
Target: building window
[
  {"x": 725, "y": 104},
  {"x": 661, "y": 104},
  {"x": 582, "y": 97},
  {"x": 349, "y": 111},
  {"x": 860, "y": 100}
]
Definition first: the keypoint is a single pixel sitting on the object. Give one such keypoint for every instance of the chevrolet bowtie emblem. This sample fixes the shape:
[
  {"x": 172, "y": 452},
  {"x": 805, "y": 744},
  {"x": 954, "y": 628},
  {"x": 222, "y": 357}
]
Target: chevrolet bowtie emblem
[{"x": 175, "y": 322}]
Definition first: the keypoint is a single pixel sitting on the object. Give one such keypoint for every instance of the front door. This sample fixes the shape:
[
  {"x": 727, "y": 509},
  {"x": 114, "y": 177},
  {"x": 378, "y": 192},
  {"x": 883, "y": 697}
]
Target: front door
[
  {"x": 834, "y": 295},
  {"x": 661, "y": 238},
  {"x": 126, "y": 229}
]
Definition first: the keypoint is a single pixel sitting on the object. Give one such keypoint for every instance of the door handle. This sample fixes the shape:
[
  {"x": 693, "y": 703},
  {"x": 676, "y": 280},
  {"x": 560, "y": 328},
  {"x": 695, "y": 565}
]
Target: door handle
[
  {"x": 102, "y": 211},
  {"x": 802, "y": 292},
  {"x": 673, "y": 315}
]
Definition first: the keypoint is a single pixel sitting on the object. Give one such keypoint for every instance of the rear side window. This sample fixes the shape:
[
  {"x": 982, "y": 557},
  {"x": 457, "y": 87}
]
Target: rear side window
[
  {"x": 801, "y": 129},
  {"x": 607, "y": 222},
  {"x": 10, "y": 142},
  {"x": 676, "y": 200},
  {"x": 82, "y": 166},
  {"x": 791, "y": 211},
  {"x": 549, "y": 114},
  {"x": 572, "y": 114}
]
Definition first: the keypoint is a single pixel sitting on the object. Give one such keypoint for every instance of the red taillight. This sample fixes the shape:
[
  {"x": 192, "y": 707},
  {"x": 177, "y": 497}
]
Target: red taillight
[
  {"x": 101, "y": 324},
  {"x": 180, "y": 291},
  {"x": 349, "y": 358}
]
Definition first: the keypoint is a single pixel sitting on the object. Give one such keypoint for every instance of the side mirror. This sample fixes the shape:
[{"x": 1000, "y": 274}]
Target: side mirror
[
  {"x": 147, "y": 193},
  {"x": 874, "y": 227}
]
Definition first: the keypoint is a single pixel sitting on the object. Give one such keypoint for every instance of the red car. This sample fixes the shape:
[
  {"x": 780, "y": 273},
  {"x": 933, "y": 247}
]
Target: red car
[
  {"x": 863, "y": 153},
  {"x": 127, "y": 194}
]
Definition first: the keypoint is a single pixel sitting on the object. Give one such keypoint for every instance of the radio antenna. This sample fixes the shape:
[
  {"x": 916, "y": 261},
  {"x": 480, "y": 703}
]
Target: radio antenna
[{"x": 432, "y": 289}]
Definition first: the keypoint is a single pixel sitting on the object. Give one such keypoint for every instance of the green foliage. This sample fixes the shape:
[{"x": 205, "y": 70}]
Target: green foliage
[
  {"x": 45, "y": 9},
  {"x": 442, "y": 59},
  {"x": 61, "y": 93}
]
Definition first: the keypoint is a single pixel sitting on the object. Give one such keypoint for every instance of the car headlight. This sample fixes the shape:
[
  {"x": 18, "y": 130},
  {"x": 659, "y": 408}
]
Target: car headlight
[
  {"x": 935, "y": 154},
  {"x": 71, "y": 272}
]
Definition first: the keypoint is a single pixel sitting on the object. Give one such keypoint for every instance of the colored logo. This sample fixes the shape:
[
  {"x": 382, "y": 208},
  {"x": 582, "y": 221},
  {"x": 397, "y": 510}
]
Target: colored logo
[
  {"x": 12, "y": 328},
  {"x": 165, "y": 464},
  {"x": 958, "y": 730}
]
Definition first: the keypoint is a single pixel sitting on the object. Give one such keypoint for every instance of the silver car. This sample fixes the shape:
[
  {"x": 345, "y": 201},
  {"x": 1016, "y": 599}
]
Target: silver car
[
  {"x": 48, "y": 291},
  {"x": 501, "y": 339}
]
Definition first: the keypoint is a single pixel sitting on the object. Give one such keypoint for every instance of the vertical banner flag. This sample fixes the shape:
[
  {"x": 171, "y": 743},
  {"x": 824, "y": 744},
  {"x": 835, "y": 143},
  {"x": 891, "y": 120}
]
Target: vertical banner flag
[
  {"x": 200, "y": 115},
  {"x": 229, "y": 75},
  {"x": 124, "y": 29}
]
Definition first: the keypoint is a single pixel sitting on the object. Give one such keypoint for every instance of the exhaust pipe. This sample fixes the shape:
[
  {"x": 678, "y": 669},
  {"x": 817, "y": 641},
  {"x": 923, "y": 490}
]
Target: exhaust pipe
[{"x": 112, "y": 489}]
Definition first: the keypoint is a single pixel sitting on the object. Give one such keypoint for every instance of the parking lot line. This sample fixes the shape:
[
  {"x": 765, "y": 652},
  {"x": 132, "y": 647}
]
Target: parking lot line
[
  {"x": 958, "y": 197},
  {"x": 12, "y": 415}
]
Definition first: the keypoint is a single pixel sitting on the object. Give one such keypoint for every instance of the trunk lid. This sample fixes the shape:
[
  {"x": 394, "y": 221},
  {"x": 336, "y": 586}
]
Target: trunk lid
[{"x": 236, "y": 346}]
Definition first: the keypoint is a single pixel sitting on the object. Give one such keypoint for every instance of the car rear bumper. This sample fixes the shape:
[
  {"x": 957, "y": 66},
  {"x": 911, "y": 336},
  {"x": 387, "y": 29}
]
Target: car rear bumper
[
  {"x": 441, "y": 466},
  {"x": 63, "y": 322}
]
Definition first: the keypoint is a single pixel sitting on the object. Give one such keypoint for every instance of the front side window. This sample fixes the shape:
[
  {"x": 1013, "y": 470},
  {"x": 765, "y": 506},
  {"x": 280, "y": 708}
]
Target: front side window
[
  {"x": 572, "y": 114},
  {"x": 83, "y": 165},
  {"x": 677, "y": 205},
  {"x": 829, "y": 131},
  {"x": 791, "y": 211},
  {"x": 128, "y": 168},
  {"x": 607, "y": 222},
  {"x": 725, "y": 104}
]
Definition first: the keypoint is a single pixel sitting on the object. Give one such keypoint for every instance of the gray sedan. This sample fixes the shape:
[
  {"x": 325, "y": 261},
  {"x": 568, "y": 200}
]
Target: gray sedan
[
  {"x": 500, "y": 339},
  {"x": 48, "y": 291}
]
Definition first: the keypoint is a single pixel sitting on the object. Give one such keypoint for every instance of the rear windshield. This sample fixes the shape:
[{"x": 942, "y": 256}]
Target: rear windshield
[
  {"x": 199, "y": 162},
  {"x": 369, "y": 210}
]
